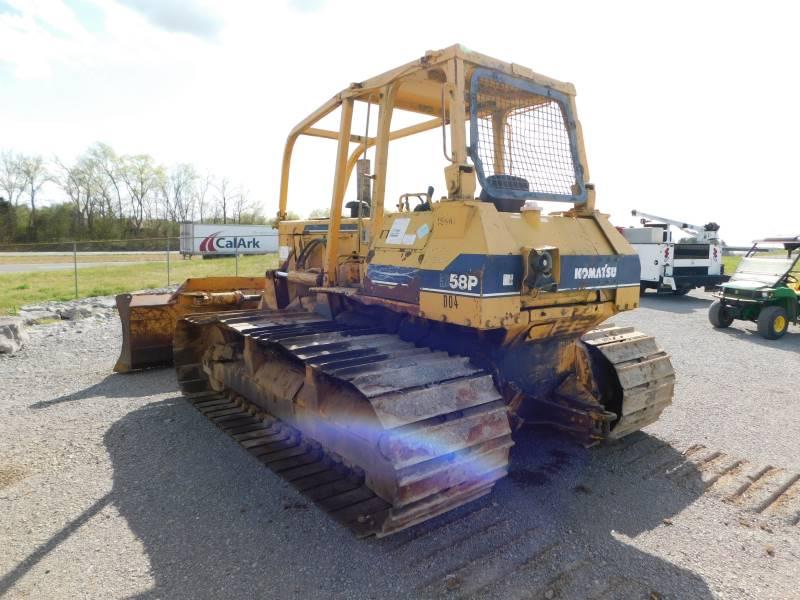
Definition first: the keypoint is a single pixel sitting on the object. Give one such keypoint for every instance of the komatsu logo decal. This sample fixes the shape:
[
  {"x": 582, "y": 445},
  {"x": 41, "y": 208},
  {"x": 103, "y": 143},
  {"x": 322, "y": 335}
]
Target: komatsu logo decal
[
  {"x": 594, "y": 272},
  {"x": 602, "y": 272},
  {"x": 214, "y": 242}
]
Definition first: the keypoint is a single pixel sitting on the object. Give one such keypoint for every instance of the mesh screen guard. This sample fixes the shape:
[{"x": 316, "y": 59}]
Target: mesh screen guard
[{"x": 536, "y": 141}]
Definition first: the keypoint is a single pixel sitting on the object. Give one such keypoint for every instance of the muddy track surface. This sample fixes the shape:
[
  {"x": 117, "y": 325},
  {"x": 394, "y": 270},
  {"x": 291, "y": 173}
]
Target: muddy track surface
[{"x": 114, "y": 486}]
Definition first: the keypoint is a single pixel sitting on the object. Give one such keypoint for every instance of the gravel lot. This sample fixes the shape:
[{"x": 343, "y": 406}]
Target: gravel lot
[{"x": 111, "y": 486}]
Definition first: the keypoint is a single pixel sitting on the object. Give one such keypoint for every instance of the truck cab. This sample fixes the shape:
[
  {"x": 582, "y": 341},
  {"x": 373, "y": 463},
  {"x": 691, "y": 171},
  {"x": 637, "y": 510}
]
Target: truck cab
[{"x": 676, "y": 267}]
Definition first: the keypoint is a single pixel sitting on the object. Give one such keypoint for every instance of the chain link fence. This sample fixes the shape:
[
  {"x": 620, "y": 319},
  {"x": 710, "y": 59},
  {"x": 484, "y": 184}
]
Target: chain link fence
[{"x": 106, "y": 267}]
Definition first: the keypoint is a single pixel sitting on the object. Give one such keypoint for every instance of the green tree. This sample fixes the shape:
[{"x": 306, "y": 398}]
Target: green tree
[
  {"x": 290, "y": 216},
  {"x": 320, "y": 213},
  {"x": 35, "y": 173},
  {"x": 7, "y": 221}
]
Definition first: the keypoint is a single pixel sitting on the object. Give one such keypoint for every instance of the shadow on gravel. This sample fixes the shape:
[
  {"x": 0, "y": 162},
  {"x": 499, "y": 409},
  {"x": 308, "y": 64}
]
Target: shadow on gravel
[
  {"x": 117, "y": 385},
  {"x": 10, "y": 579},
  {"x": 674, "y": 304},
  {"x": 215, "y": 523},
  {"x": 790, "y": 340},
  {"x": 600, "y": 496}
]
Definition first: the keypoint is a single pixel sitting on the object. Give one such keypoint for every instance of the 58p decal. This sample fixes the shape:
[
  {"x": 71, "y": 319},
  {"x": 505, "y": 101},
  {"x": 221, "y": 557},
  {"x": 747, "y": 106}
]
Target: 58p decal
[{"x": 465, "y": 283}]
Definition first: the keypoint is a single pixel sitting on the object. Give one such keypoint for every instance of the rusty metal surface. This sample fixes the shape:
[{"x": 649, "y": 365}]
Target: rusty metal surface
[
  {"x": 148, "y": 320},
  {"x": 442, "y": 435},
  {"x": 645, "y": 373},
  {"x": 403, "y": 408},
  {"x": 420, "y": 430}
]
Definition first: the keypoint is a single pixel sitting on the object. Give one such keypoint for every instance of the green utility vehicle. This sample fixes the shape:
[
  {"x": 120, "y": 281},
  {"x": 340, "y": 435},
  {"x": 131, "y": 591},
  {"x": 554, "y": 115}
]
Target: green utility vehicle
[{"x": 764, "y": 289}]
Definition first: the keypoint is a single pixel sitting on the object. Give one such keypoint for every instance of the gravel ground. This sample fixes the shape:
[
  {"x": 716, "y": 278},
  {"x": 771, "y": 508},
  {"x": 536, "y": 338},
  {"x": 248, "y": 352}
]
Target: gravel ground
[{"x": 112, "y": 486}]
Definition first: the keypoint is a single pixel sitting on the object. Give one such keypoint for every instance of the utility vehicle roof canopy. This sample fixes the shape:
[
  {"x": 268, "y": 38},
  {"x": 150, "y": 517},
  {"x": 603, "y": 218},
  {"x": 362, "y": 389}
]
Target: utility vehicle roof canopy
[
  {"x": 768, "y": 271},
  {"x": 789, "y": 243}
]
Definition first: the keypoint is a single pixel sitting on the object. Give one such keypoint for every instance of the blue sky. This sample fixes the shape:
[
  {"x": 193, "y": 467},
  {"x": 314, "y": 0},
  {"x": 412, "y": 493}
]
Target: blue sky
[{"x": 689, "y": 109}]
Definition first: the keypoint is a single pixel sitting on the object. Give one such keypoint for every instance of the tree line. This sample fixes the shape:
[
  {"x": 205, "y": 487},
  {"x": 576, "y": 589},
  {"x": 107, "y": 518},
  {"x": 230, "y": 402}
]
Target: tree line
[{"x": 112, "y": 196}]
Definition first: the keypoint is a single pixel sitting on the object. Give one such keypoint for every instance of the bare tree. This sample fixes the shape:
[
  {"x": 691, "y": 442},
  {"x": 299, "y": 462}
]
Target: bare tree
[
  {"x": 225, "y": 197},
  {"x": 179, "y": 192},
  {"x": 242, "y": 205},
  {"x": 12, "y": 181},
  {"x": 85, "y": 183},
  {"x": 201, "y": 189},
  {"x": 35, "y": 174},
  {"x": 141, "y": 177},
  {"x": 108, "y": 173}
]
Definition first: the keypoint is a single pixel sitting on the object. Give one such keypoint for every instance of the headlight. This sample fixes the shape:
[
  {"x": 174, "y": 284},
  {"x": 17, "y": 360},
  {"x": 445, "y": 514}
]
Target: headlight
[{"x": 765, "y": 294}]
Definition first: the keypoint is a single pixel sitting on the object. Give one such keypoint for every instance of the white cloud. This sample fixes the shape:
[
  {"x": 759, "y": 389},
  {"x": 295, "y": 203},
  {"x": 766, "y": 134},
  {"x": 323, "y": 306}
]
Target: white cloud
[
  {"x": 181, "y": 16},
  {"x": 36, "y": 37}
]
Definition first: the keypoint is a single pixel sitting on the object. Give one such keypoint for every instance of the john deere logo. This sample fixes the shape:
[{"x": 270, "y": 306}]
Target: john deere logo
[
  {"x": 604, "y": 272},
  {"x": 214, "y": 242}
]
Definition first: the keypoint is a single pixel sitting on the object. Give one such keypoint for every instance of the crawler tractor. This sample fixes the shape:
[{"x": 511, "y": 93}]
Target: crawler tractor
[{"x": 393, "y": 355}]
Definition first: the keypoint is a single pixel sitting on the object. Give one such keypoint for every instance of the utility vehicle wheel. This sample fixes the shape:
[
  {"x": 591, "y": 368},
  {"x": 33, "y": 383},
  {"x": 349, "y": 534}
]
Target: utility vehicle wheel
[
  {"x": 772, "y": 322},
  {"x": 681, "y": 291},
  {"x": 719, "y": 316},
  {"x": 642, "y": 289}
]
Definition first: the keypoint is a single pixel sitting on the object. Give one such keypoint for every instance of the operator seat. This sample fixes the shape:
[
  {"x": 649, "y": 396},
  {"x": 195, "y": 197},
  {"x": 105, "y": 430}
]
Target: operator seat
[
  {"x": 501, "y": 183},
  {"x": 353, "y": 207}
]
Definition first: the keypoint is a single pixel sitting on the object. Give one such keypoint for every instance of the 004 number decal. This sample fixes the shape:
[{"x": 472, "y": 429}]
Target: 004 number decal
[
  {"x": 462, "y": 282},
  {"x": 449, "y": 301}
]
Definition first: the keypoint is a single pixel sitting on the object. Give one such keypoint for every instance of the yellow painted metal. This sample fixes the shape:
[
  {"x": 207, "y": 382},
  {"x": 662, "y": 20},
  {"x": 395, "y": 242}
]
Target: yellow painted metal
[
  {"x": 417, "y": 87},
  {"x": 299, "y": 129},
  {"x": 478, "y": 227},
  {"x": 457, "y": 113},
  {"x": 381, "y": 159},
  {"x": 462, "y": 224},
  {"x": 337, "y": 198}
]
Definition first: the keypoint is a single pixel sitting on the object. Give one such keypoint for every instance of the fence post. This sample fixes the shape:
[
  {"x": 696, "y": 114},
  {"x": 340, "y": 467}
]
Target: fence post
[
  {"x": 75, "y": 265},
  {"x": 167, "y": 258}
]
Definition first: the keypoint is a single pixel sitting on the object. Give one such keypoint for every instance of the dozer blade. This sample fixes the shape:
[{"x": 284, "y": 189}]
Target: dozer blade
[
  {"x": 148, "y": 320},
  {"x": 148, "y": 324}
]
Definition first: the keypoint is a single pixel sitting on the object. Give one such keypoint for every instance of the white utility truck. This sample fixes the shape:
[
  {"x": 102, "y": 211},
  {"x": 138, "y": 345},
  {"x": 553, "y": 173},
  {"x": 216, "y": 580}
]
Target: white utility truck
[
  {"x": 676, "y": 267},
  {"x": 210, "y": 240}
]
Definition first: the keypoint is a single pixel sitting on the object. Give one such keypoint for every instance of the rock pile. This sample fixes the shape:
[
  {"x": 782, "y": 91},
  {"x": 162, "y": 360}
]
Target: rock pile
[
  {"x": 12, "y": 334},
  {"x": 73, "y": 310}
]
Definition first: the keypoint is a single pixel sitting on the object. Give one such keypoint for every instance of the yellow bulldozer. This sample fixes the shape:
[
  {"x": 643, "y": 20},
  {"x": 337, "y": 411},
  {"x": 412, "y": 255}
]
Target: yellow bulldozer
[{"x": 394, "y": 354}]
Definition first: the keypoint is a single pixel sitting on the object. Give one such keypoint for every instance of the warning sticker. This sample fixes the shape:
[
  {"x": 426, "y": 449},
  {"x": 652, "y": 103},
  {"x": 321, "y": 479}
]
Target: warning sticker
[
  {"x": 409, "y": 239},
  {"x": 423, "y": 230},
  {"x": 398, "y": 231}
]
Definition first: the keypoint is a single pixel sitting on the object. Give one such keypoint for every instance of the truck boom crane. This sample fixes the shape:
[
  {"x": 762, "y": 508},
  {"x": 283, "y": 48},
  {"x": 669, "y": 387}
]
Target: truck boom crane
[{"x": 703, "y": 233}]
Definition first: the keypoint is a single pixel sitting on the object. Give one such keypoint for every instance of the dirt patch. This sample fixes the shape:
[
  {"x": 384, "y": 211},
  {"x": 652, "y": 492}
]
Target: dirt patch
[{"x": 11, "y": 475}]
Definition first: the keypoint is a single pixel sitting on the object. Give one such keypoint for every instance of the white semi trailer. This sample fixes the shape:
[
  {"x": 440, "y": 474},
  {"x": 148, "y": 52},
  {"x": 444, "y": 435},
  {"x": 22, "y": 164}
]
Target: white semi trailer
[
  {"x": 210, "y": 240},
  {"x": 676, "y": 267}
]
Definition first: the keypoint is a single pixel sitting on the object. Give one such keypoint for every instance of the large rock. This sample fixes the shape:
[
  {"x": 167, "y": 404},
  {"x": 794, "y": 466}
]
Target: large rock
[
  {"x": 33, "y": 307},
  {"x": 35, "y": 317},
  {"x": 12, "y": 334},
  {"x": 75, "y": 313},
  {"x": 106, "y": 302}
]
